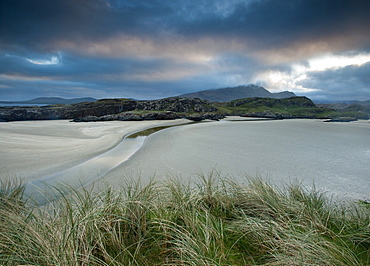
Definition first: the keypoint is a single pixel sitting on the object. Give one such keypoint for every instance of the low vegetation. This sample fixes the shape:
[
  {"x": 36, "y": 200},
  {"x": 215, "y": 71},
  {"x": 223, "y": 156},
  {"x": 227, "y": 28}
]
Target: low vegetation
[
  {"x": 294, "y": 107},
  {"x": 193, "y": 109},
  {"x": 213, "y": 222}
]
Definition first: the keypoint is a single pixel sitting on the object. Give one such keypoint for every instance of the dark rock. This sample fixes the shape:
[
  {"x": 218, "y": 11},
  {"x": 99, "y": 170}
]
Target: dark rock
[
  {"x": 341, "y": 119},
  {"x": 171, "y": 106},
  {"x": 106, "y": 109},
  {"x": 179, "y": 105},
  {"x": 28, "y": 113},
  {"x": 119, "y": 117},
  {"x": 160, "y": 116},
  {"x": 163, "y": 109},
  {"x": 128, "y": 117},
  {"x": 86, "y": 119},
  {"x": 206, "y": 116},
  {"x": 264, "y": 114},
  {"x": 271, "y": 115},
  {"x": 99, "y": 108}
]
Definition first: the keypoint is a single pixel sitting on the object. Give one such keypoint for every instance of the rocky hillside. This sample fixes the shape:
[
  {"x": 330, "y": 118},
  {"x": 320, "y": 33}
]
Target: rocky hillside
[
  {"x": 177, "y": 107},
  {"x": 263, "y": 102},
  {"x": 233, "y": 93},
  {"x": 294, "y": 107},
  {"x": 113, "y": 109}
]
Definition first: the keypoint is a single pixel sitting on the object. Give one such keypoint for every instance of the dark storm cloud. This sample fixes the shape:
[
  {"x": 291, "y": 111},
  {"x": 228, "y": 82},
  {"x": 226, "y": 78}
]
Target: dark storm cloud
[
  {"x": 153, "y": 48},
  {"x": 274, "y": 23},
  {"x": 38, "y": 23}
]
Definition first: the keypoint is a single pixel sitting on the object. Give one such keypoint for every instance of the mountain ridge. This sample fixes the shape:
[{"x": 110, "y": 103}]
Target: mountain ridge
[
  {"x": 239, "y": 92},
  {"x": 52, "y": 100},
  {"x": 190, "y": 108}
]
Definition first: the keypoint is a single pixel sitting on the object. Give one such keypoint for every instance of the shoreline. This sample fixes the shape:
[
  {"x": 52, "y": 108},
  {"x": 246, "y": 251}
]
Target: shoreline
[{"x": 178, "y": 151}]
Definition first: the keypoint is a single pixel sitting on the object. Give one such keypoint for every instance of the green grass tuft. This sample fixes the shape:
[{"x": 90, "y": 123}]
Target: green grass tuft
[{"x": 216, "y": 221}]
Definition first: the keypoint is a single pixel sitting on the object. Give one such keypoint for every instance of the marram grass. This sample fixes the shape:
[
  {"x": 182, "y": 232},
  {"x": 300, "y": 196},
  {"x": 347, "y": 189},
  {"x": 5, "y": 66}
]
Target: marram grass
[{"x": 215, "y": 222}]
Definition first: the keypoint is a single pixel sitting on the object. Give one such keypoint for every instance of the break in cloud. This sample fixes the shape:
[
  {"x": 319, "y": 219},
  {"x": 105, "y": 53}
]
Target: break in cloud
[{"x": 152, "y": 49}]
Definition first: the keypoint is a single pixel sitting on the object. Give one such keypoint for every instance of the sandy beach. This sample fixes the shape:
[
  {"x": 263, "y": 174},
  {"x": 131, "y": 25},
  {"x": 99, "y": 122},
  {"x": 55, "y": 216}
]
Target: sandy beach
[
  {"x": 334, "y": 156},
  {"x": 32, "y": 150}
]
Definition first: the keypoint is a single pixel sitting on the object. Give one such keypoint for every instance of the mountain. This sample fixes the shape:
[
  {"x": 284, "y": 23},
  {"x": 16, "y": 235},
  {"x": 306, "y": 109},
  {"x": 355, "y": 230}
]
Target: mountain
[
  {"x": 52, "y": 100},
  {"x": 233, "y": 93}
]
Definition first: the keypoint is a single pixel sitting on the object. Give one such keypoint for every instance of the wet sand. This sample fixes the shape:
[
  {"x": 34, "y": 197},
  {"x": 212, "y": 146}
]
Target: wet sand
[{"x": 335, "y": 156}]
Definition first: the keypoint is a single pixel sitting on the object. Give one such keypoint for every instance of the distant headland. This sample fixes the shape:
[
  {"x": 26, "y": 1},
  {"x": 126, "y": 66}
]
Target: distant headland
[{"x": 246, "y": 101}]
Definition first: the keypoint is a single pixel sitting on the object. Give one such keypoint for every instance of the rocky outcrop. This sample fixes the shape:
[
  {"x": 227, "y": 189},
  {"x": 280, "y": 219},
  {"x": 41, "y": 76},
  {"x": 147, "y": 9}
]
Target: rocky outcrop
[
  {"x": 264, "y": 114},
  {"x": 160, "y": 116},
  {"x": 128, "y": 116},
  {"x": 98, "y": 108},
  {"x": 206, "y": 116},
  {"x": 269, "y": 102},
  {"x": 29, "y": 113},
  {"x": 119, "y": 117},
  {"x": 164, "y": 109},
  {"x": 179, "y": 105},
  {"x": 50, "y": 112},
  {"x": 272, "y": 115},
  {"x": 109, "y": 109}
]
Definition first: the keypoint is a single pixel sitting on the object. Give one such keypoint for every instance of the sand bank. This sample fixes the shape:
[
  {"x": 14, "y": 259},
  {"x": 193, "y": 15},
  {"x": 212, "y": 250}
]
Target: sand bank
[
  {"x": 336, "y": 156},
  {"x": 33, "y": 150}
]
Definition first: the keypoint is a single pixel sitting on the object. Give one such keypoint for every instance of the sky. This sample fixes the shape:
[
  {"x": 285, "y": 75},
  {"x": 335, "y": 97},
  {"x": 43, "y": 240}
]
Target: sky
[{"x": 152, "y": 49}]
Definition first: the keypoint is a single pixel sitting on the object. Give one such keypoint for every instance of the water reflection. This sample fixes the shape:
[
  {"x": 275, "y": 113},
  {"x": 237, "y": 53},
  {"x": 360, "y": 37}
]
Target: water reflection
[{"x": 149, "y": 131}]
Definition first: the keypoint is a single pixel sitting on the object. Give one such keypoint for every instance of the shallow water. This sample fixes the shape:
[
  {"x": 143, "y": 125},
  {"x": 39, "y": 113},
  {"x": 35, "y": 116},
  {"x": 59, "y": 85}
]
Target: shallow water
[{"x": 148, "y": 131}]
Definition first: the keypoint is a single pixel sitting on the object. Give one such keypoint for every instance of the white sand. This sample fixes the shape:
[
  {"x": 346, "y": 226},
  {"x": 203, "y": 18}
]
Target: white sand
[
  {"x": 33, "y": 150},
  {"x": 336, "y": 156}
]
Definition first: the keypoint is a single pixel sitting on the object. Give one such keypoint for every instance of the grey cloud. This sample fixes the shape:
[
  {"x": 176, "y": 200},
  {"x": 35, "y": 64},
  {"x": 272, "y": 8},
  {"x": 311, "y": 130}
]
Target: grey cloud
[
  {"x": 66, "y": 66},
  {"x": 347, "y": 83}
]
